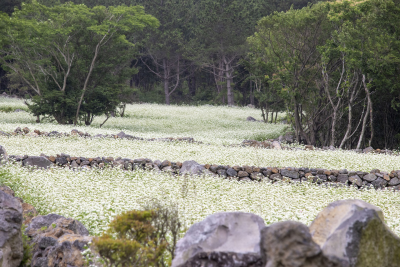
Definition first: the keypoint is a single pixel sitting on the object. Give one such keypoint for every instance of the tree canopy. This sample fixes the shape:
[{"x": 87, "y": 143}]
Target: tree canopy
[
  {"x": 73, "y": 59},
  {"x": 332, "y": 66}
]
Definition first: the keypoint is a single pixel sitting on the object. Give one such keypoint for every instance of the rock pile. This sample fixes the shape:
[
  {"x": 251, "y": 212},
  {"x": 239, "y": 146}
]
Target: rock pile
[
  {"x": 282, "y": 142},
  {"x": 35, "y": 133},
  {"x": 375, "y": 178},
  {"x": 55, "y": 240},
  {"x": 347, "y": 233}
]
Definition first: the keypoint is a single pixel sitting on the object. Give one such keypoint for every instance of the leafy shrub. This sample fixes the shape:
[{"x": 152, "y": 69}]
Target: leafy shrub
[
  {"x": 139, "y": 238},
  {"x": 131, "y": 240},
  {"x": 168, "y": 225}
]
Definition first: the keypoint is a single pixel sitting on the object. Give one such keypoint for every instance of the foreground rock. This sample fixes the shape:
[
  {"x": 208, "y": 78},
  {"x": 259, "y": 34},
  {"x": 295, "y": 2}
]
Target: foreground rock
[
  {"x": 28, "y": 211},
  {"x": 11, "y": 251},
  {"x": 57, "y": 241},
  {"x": 3, "y": 155},
  {"x": 191, "y": 167},
  {"x": 289, "y": 243},
  {"x": 222, "y": 239},
  {"x": 39, "y": 162},
  {"x": 354, "y": 232}
]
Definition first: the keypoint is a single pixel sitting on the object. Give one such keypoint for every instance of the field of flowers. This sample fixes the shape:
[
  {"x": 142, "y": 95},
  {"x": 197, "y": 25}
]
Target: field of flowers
[{"x": 94, "y": 197}]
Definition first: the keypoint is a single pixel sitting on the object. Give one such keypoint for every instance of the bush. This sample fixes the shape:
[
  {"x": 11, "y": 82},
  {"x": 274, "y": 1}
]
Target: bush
[{"x": 139, "y": 238}]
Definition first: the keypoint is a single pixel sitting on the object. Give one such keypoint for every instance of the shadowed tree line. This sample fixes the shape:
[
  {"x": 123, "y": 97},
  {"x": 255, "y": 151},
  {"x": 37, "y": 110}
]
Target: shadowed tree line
[{"x": 331, "y": 66}]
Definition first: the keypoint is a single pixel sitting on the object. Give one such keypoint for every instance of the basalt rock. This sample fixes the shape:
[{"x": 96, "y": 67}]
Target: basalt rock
[
  {"x": 289, "y": 244},
  {"x": 192, "y": 167},
  {"x": 39, "y": 162},
  {"x": 3, "y": 155},
  {"x": 222, "y": 239},
  {"x": 11, "y": 250},
  {"x": 57, "y": 241},
  {"x": 354, "y": 232}
]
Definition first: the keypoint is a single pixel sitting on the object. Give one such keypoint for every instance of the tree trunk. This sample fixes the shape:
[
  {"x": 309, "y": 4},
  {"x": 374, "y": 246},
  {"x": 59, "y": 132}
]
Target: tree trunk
[
  {"x": 166, "y": 82},
  {"x": 364, "y": 123},
  {"x": 371, "y": 118},
  {"x": 298, "y": 126},
  {"x": 228, "y": 87},
  {"x": 251, "y": 94}
]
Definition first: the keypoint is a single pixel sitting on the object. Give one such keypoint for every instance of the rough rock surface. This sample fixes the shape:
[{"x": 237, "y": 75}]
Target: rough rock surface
[
  {"x": 3, "y": 155},
  {"x": 192, "y": 167},
  {"x": 222, "y": 239},
  {"x": 28, "y": 211},
  {"x": 57, "y": 241},
  {"x": 354, "y": 232},
  {"x": 289, "y": 244},
  {"x": 11, "y": 251},
  {"x": 40, "y": 162}
]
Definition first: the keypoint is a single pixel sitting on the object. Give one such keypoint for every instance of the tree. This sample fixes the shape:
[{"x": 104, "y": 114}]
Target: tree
[
  {"x": 222, "y": 29},
  {"x": 290, "y": 42},
  {"x": 164, "y": 49},
  {"x": 73, "y": 57}
]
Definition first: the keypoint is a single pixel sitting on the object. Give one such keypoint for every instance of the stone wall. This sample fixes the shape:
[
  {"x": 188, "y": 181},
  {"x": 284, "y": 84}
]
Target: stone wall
[
  {"x": 375, "y": 178},
  {"x": 283, "y": 142}
]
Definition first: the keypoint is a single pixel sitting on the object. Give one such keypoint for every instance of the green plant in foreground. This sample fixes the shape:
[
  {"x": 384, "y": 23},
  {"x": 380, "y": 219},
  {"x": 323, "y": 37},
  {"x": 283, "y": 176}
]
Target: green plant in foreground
[
  {"x": 131, "y": 240},
  {"x": 27, "y": 256}
]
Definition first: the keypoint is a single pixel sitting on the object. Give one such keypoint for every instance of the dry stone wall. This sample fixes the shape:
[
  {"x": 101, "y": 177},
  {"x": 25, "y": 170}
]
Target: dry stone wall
[{"x": 375, "y": 178}]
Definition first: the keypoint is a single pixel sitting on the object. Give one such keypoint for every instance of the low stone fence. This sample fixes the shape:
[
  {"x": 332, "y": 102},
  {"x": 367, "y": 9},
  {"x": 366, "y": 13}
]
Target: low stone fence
[
  {"x": 280, "y": 143},
  {"x": 360, "y": 179},
  {"x": 36, "y": 133}
]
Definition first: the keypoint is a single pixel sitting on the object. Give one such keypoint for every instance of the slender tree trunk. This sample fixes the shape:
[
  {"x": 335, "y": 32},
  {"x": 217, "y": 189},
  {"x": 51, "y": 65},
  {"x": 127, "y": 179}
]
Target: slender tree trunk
[
  {"x": 364, "y": 123},
  {"x": 371, "y": 117},
  {"x": 348, "y": 130},
  {"x": 228, "y": 85},
  {"x": 251, "y": 94},
  {"x": 298, "y": 126},
  {"x": 166, "y": 82}
]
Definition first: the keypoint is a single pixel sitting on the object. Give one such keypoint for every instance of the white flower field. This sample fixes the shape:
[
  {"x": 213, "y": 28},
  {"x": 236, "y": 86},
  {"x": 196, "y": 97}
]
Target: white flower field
[{"x": 94, "y": 197}]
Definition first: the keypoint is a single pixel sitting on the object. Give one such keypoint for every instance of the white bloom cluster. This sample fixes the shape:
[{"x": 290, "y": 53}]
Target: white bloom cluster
[{"x": 95, "y": 197}]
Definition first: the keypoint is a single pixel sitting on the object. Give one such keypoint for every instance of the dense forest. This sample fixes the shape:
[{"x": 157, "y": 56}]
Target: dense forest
[{"x": 332, "y": 66}]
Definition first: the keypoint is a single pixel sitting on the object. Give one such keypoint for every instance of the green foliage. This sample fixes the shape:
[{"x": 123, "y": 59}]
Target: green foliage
[
  {"x": 75, "y": 60},
  {"x": 131, "y": 241},
  {"x": 27, "y": 256},
  {"x": 139, "y": 238}
]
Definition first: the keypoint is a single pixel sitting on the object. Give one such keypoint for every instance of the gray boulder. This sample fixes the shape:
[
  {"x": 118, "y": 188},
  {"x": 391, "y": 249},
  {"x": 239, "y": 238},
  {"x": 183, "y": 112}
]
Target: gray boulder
[
  {"x": 249, "y": 118},
  {"x": 57, "y": 241},
  {"x": 3, "y": 155},
  {"x": 394, "y": 181},
  {"x": 343, "y": 178},
  {"x": 370, "y": 177},
  {"x": 40, "y": 222},
  {"x": 276, "y": 145},
  {"x": 354, "y": 232},
  {"x": 231, "y": 172},
  {"x": 368, "y": 150},
  {"x": 355, "y": 179},
  {"x": 11, "y": 250},
  {"x": 288, "y": 244},
  {"x": 191, "y": 167},
  {"x": 221, "y": 239},
  {"x": 379, "y": 183},
  {"x": 290, "y": 174},
  {"x": 39, "y": 162}
]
